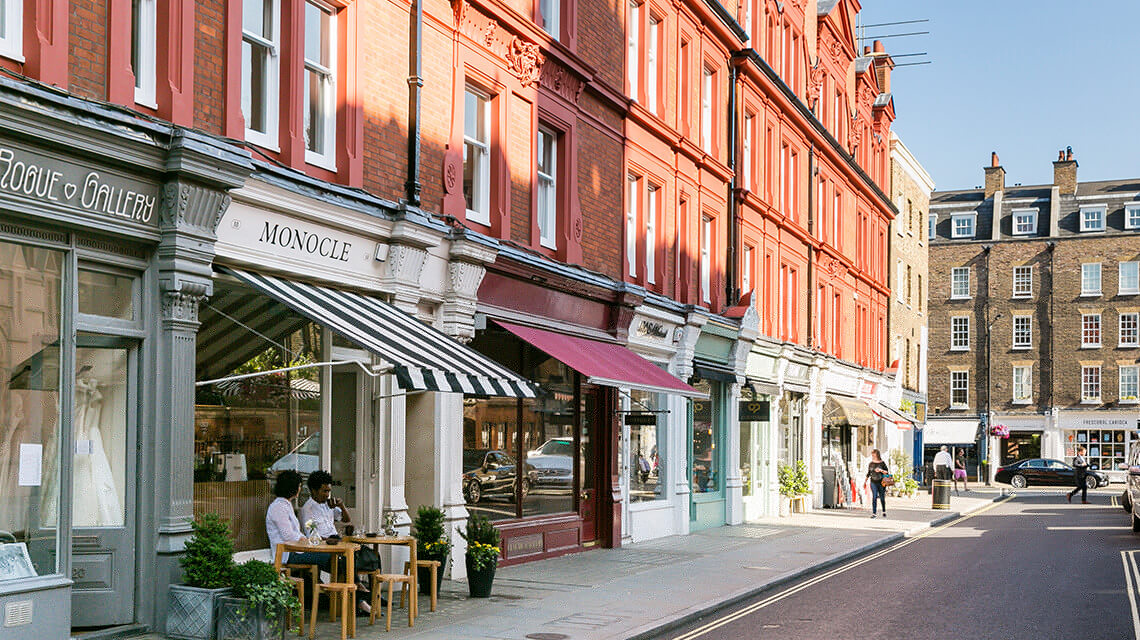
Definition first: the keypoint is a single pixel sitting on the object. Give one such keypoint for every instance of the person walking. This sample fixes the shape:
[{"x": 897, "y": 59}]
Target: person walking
[
  {"x": 1081, "y": 468},
  {"x": 960, "y": 471},
  {"x": 942, "y": 464},
  {"x": 876, "y": 471}
]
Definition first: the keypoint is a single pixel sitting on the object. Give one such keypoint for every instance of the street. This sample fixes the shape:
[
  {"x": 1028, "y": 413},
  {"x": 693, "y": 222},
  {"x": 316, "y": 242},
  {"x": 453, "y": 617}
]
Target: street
[{"x": 1031, "y": 565}]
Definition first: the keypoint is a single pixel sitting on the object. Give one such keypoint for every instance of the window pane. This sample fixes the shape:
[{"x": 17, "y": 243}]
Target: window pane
[
  {"x": 31, "y": 288},
  {"x": 705, "y": 434},
  {"x": 318, "y": 35},
  {"x": 99, "y": 430},
  {"x": 1129, "y": 277},
  {"x": 257, "y": 17},
  {"x": 646, "y": 481},
  {"x": 255, "y": 79},
  {"x": 104, "y": 294}
]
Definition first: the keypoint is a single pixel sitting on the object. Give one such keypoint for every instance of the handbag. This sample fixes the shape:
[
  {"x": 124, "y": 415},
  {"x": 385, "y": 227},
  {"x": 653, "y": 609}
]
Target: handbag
[{"x": 888, "y": 480}]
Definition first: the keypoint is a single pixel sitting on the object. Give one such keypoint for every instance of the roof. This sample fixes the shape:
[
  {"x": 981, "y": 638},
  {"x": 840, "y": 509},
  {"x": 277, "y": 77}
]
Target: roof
[{"x": 824, "y": 7}]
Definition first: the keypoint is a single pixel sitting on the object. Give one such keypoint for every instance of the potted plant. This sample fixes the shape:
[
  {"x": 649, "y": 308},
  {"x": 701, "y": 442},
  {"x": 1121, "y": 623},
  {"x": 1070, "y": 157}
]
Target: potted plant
[
  {"x": 794, "y": 482},
  {"x": 206, "y": 565},
  {"x": 257, "y": 609},
  {"x": 431, "y": 544},
  {"x": 482, "y": 555}
]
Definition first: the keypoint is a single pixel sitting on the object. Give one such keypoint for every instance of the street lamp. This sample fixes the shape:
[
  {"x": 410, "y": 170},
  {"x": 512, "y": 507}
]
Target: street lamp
[{"x": 988, "y": 417}]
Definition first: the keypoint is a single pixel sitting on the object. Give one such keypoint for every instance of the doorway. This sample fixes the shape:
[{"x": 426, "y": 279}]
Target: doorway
[
  {"x": 1021, "y": 445},
  {"x": 348, "y": 454},
  {"x": 103, "y": 427},
  {"x": 591, "y": 445}
]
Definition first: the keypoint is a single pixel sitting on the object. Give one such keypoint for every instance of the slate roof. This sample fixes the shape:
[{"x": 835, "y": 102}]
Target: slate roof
[{"x": 824, "y": 7}]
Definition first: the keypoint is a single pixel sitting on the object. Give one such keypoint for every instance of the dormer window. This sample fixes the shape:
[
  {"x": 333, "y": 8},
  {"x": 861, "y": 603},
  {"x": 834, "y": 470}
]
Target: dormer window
[
  {"x": 963, "y": 225},
  {"x": 1132, "y": 215},
  {"x": 1024, "y": 222},
  {"x": 1092, "y": 217}
]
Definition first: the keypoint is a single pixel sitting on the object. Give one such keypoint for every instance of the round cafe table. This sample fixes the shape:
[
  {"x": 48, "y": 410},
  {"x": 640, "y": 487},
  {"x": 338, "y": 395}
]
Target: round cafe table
[{"x": 410, "y": 543}]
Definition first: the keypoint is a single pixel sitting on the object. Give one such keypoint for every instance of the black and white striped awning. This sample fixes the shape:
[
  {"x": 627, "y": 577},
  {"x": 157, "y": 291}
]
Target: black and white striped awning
[{"x": 423, "y": 357}]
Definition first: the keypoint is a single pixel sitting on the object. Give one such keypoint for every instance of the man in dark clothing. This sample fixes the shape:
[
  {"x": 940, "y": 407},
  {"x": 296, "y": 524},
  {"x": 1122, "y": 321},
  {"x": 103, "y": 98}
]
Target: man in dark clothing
[{"x": 1081, "y": 467}]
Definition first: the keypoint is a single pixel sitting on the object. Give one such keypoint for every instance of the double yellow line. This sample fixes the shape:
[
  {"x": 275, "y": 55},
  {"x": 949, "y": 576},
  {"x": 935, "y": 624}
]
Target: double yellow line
[
  {"x": 754, "y": 607},
  {"x": 1131, "y": 579}
]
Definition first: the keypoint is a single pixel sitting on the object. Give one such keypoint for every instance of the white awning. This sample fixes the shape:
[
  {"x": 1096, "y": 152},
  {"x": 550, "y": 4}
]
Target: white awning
[{"x": 950, "y": 431}]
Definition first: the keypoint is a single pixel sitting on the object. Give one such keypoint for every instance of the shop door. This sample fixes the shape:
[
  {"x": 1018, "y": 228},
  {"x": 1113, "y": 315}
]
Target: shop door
[
  {"x": 1020, "y": 446},
  {"x": 344, "y": 448},
  {"x": 103, "y": 480},
  {"x": 589, "y": 453}
]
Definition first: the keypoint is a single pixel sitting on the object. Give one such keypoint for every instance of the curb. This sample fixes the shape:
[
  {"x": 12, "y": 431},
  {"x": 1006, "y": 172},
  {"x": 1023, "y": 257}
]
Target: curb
[{"x": 660, "y": 627}]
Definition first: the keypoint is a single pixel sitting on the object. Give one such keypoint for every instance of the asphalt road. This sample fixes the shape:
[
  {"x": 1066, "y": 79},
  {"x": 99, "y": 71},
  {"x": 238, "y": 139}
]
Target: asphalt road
[{"x": 1034, "y": 566}]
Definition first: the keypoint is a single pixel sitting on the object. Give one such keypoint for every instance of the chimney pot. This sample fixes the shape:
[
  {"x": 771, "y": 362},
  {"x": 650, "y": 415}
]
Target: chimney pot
[
  {"x": 1065, "y": 173},
  {"x": 867, "y": 50},
  {"x": 994, "y": 159},
  {"x": 1068, "y": 153},
  {"x": 879, "y": 48},
  {"x": 1060, "y": 155}
]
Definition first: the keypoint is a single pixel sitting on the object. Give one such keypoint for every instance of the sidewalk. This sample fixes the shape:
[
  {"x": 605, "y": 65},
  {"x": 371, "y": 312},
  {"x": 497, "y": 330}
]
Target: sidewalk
[{"x": 643, "y": 589}]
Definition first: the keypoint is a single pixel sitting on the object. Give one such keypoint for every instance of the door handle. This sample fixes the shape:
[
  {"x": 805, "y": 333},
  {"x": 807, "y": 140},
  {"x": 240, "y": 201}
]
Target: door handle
[{"x": 585, "y": 495}]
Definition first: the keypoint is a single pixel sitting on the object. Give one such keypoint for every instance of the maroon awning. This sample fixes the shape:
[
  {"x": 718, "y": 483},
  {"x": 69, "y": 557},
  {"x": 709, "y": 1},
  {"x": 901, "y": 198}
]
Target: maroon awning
[{"x": 603, "y": 363}]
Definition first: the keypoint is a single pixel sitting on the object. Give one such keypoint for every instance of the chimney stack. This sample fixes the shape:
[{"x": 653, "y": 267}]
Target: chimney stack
[
  {"x": 883, "y": 66},
  {"x": 1065, "y": 172},
  {"x": 995, "y": 176}
]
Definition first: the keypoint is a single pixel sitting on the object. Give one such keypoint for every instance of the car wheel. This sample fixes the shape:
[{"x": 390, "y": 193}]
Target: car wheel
[
  {"x": 1091, "y": 482},
  {"x": 1018, "y": 481},
  {"x": 1135, "y": 524},
  {"x": 472, "y": 492},
  {"x": 1126, "y": 501}
]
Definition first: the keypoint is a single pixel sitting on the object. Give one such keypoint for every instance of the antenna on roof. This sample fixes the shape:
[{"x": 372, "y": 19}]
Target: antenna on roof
[{"x": 863, "y": 36}]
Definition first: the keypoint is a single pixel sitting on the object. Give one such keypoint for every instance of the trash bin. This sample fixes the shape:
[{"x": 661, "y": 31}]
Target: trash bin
[
  {"x": 829, "y": 487},
  {"x": 940, "y": 490}
]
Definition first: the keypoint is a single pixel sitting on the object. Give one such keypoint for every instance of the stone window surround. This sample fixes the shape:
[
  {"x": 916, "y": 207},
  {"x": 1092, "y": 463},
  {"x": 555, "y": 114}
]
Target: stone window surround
[{"x": 1020, "y": 213}]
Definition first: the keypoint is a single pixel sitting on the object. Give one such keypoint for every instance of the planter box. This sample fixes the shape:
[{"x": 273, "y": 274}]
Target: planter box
[
  {"x": 254, "y": 626},
  {"x": 191, "y": 612}
]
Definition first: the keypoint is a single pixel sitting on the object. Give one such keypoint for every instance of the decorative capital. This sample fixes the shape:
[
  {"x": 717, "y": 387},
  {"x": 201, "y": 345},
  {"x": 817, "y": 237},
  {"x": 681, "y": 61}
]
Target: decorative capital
[
  {"x": 180, "y": 306},
  {"x": 190, "y": 204},
  {"x": 524, "y": 60}
]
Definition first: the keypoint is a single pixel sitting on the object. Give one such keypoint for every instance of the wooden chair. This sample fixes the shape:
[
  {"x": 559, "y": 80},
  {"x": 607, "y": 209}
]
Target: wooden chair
[
  {"x": 434, "y": 565},
  {"x": 345, "y": 592},
  {"x": 298, "y": 584},
  {"x": 390, "y": 579}
]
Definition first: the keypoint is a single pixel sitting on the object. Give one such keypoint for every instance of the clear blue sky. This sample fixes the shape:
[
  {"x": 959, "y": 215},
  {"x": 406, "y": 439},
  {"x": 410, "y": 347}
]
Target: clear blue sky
[{"x": 1019, "y": 77}]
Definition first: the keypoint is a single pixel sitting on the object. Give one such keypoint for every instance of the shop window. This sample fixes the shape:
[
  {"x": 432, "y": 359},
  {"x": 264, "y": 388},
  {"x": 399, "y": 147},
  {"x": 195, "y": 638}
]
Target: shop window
[
  {"x": 754, "y": 415},
  {"x": 249, "y": 430},
  {"x": 320, "y": 86},
  {"x": 705, "y": 437},
  {"x": 260, "y": 70},
  {"x": 1104, "y": 448},
  {"x": 477, "y": 155},
  {"x": 12, "y": 29},
  {"x": 647, "y": 431},
  {"x": 107, "y": 294},
  {"x": 144, "y": 37},
  {"x": 100, "y": 426},
  {"x": 31, "y": 285}
]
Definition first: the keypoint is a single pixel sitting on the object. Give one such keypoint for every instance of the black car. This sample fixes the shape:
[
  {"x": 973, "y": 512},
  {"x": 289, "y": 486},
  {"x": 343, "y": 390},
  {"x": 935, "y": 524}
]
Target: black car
[
  {"x": 491, "y": 472},
  {"x": 1046, "y": 471}
]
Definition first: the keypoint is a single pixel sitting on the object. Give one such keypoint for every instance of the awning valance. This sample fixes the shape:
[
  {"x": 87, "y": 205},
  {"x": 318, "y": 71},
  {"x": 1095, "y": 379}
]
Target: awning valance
[
  {"x": 603, "y": 363},
  {"x": 840, "y": 410},
  {"x": 901, "y": 420},
  {"x": 423, "y": 357},
  {"x": 950, "y": 431}
]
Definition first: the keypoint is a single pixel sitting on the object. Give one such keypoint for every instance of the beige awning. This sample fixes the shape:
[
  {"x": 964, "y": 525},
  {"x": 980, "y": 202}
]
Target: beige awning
[{"x": 839, "y": 410}]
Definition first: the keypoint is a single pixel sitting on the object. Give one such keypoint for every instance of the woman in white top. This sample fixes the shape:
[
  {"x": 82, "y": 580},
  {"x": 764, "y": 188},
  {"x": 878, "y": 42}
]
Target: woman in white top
[{"x": 281, "y": 523}]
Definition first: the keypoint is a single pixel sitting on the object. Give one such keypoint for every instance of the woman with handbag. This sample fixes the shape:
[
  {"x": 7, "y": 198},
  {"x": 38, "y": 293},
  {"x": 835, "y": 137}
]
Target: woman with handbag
[{"x": 880, "y": 478}]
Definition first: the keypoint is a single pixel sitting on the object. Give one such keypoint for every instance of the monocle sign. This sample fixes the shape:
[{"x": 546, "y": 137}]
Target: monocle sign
[{"x": 29, "y": 175}]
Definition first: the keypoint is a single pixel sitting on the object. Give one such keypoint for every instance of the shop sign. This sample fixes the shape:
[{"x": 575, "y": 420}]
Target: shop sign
[
  {"x": 651, "y": 329},
  {"x": 1090, "y": 420},
  {"x": 702, "y": 411},
  {"x": 920, "y": 411},
  {"x": 263, "y": 235},
  {"x": 641, "y": 419},
  {"x": 38, "y": 177},
  {"x": 754, "y": 410}
]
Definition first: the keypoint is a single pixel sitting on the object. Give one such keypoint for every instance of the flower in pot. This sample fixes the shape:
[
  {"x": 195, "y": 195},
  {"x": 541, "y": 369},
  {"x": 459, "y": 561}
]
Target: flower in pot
[
  {"x": 431, "y": 544},
  {"x": 258, "y": 607},
  {"x": 482, "y": 555},
  {"x": 206, "y": 565}
]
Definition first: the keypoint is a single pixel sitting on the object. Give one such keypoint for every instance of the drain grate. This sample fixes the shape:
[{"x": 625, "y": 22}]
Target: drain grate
[{"x": 547, "y": 636}]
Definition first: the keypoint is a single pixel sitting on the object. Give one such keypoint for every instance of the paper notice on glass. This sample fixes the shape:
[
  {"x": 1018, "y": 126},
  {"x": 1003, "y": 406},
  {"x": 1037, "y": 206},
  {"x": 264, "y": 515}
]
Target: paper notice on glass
[
  {"x": 31, "y": 464},
  {"x": 84, "y": 447}
]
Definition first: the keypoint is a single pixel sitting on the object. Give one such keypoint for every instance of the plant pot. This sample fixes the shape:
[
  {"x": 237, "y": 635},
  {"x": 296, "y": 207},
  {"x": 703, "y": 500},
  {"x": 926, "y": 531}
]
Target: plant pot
[
  {"x": 479, "y": 581},
  {"x": 254, "y": 625},
  {"x": 423, "y": 575},
  {"x": 785, "y": 506},
  {"x": 191, "y": 611}
]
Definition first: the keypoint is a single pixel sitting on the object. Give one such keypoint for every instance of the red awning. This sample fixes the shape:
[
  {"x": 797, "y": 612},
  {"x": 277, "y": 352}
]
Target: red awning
[{"x": 603, "y": 363}]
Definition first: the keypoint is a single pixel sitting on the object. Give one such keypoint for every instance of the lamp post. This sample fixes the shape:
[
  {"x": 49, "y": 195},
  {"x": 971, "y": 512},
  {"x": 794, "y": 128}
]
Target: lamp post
[{"x": 987, "y": 418}]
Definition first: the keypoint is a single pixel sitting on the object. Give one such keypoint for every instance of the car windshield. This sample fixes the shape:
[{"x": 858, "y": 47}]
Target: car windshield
[
  {"x": 473, "y": 458},
  {"x": 557, "y": 448}
]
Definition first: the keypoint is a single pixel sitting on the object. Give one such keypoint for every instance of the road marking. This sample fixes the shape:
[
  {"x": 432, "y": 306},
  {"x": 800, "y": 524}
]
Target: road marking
[
  {"x": 750, "y": 609},
  {"x": 1084, "y": 528},
  {"x": 1129, "y": 560}
]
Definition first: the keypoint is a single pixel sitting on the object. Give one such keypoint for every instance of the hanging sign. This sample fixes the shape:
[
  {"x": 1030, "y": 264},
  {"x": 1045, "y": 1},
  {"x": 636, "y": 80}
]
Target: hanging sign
[
  {"x": 641, "y": 419},
  {"x": 754, "y": 410},
  {"x": 702, "y": 411}
]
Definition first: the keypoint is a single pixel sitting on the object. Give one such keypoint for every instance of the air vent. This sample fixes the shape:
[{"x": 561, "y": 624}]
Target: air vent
[{"x": 18, "y": 613}]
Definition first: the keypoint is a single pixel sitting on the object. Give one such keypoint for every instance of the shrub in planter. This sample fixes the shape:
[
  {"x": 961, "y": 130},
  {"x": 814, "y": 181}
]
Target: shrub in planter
[
  {"x": 261, "y": 600},
  {"x": 431, "y": 544},
  {"x": 482, "y": 555},
  {"x": 206, "y": 565}
]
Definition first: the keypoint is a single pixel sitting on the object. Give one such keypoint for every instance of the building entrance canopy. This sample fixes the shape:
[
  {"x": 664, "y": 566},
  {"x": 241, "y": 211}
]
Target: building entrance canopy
[
  {"x": 603, "y": 363},
  {"x": 839, "y": 410},
  {"x": 950, "y": 431},
  {"x": 423, "y": 358}
]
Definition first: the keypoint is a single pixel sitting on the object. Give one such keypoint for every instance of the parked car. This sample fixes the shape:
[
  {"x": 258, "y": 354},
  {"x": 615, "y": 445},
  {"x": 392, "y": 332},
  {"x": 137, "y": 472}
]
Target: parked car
[
  {"x": 1046, "y": 471},
  {"x": 1131, "y": 497},
  {"x": 491, "y": 472},
  {"x": 554, "y": 461}
]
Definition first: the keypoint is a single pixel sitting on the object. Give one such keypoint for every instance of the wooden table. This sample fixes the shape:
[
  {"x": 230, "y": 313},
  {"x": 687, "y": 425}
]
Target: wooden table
[
  {"x": 342, "y": 548},
  {"x": 410, "y": 543}
]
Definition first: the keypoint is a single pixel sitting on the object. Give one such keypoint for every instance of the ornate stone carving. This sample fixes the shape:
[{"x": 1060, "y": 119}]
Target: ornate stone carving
[
  {"x": 835, "y": 267},
  {"x": 854, "y": 134},
  {"x": 459, "y": 8},
  {"x": 558, "y": 79},
  {"x": 525, "y": 61},
  {"x": 815, "y": 81},
  {"x": 177, "y": 305},
  {"x": 190, "y": 204},
  {"x": 405, "y": 263},
  {"x": 867, "y": 95},
  {"x": 465, "y": 277}
]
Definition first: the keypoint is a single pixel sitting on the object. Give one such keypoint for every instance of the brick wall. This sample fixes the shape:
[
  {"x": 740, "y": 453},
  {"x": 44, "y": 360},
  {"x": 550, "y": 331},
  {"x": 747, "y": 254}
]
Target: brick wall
[
  {"x": 209, "y": 72},
  {"x": 600, "y": 185},
  {"x": 940, "y": 358},
  {"x": 908, "y": 243},
  {"x": 601, "y": 39},
  {"x": 384, "y": 89},
  {"x": 88, "y": 48}
]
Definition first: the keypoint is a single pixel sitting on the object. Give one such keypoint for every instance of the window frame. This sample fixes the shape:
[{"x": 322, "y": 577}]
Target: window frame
[
  {"x": 1026, "y": 332},
  {"x": 1130, "y": 209},
  {"x": 1136, "y": 278},
  {"x": 959, "y": 334},
  {"x": 546, "y": 184},
  {"x": 1086, "y": 275},
  {"x": 1026, "y": 384},
  {"x": 12, "y": 45},
  {"x": 633, "y": 186},
  {"x": 551, "y": 17},
  {"x": 327, "y": 159},
  {"x": 1133, "y": 331},
  {"x": 271, "y": 137},
  {"x": 954, "y": 272},
  {"x": 653, "y": 63},
  {"x": 746, "y": 152},
  {"x": 705, "y": 259},
  {"x": 707, "y": 108},
  {"x": 651, "y": 232},
  {"x": 931, "y": 226},
  {"x": 1092, "y": 331},
  {"x": 972, "y": 218},
  {"x": 1101, "y": 212},
  {"x": 144, "y": 27},
  {"x": 1134, "y": 397},
  {"x": 746, "y": 269},
  {"x": 633, "y": 50},
  {"x": 1023, "y": 275},
  {"x": 1090, "y": 378},
  {"x": 483, "y": 214},
  {"x": 1015, "y": 224},
  {"x": 960, "y": 382}
]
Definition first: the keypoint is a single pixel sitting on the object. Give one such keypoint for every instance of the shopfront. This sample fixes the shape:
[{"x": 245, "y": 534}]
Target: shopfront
[
  {"x": 848, "y": 429},
  {"x": 1105, "y": 435},
  {"x": 101, "y": 263}
]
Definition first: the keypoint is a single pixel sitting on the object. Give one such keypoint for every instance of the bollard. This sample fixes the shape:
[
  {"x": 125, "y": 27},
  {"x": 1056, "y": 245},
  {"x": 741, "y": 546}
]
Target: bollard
[{"x": 940, "y": 491}]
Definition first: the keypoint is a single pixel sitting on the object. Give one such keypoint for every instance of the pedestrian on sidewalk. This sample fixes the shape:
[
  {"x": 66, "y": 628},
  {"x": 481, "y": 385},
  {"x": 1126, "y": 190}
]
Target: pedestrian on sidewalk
[
  {"x": 942, "y": 464},
  {"x": 1081, "y": 467},
  {"x": 960, "y": 471},
  {"x": 876, "y": 471}
]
